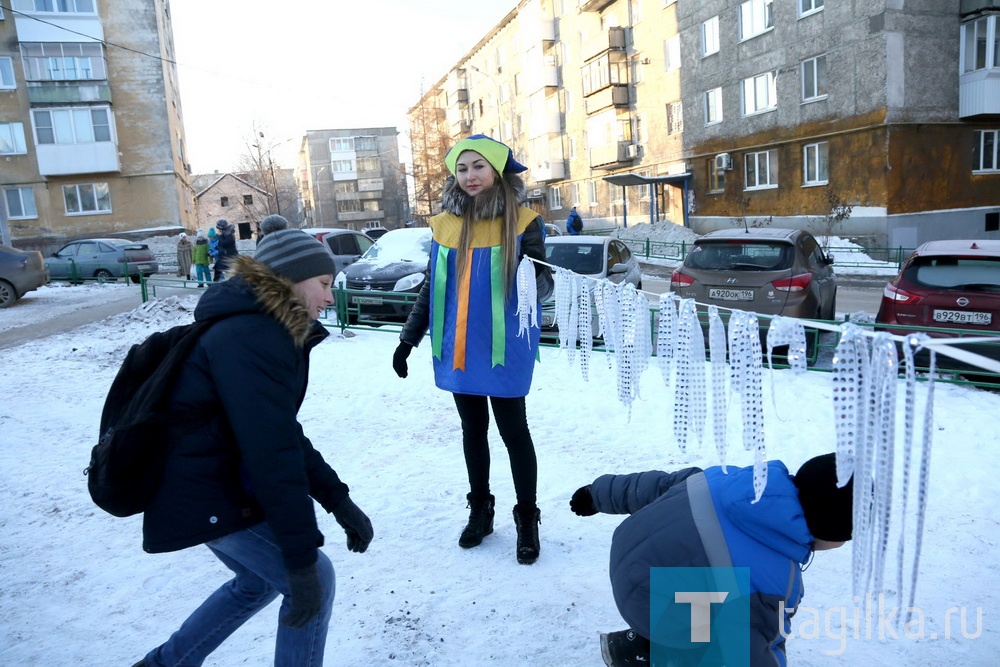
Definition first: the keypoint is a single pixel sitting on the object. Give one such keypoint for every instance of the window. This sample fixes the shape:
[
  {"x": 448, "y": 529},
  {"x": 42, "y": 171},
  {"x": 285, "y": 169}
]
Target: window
[
  {"x": 675, "y": 117},
  {"x": 341, "y": 144},
  {"x": 248, "y": 200},
  {"x": 20, "y": 203},
  {"x": 342, "y": 165},
  {"x": 978, "y": 50},
  {"x": 716, "y": 177},
  {"x": 807, "y": 7},
  {"x": 345, "y": 186},
  {"x": 760, "y": 93},
  {"x": 555, "y": 198},
  {"x": 710, "y": 36},
  {"x": 572, "y": 148},
  {"x": 372, "y": 205},
  {"x": 73, "y": 125},
  {"x": 348, "y": 206},
  {"x": 368, "y": 164},
  {"x": 61, "y": 6},
  {"x": 592, "y": 191},
  {"x": 713, "y": 106},
  {"x": 672, "y": 52},
  {"x": 12, "y": 139},
  {"x": 7, "y": 74},
  {"x": 224, "y": 202},
  {"x": 574, "y": 193},
  {"x": 984, "y": 150},
  {"x": 761, "y": 170},
  {"x": 815, "y": 164},
  {"x": 604, "y": 72},
  {"x": 366, "y": 143},
  {"x": 755, "y": 18},
  {"x": 814, "y": 79},
  {"x": 87, "y": 198},
  {"x": 63, "y": 61}
]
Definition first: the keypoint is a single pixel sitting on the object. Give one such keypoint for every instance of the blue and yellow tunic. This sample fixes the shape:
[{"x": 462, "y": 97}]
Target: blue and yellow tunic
[{"x": 473, "y": 321}]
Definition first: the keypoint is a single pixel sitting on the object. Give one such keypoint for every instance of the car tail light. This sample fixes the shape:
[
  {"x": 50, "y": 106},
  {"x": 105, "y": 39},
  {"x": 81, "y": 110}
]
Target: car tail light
[
  {"x": 896, "y": 295},
  {"x": 678, "y": 279},
  {"x": 793, "y": 284}
]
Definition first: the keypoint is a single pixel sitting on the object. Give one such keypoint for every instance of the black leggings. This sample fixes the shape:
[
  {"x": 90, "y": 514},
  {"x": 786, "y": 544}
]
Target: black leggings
[{"x": 512, "y": 422}]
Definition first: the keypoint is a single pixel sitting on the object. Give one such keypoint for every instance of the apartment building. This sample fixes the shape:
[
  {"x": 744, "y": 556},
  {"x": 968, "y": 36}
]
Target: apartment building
[
  {"x": 352, "y": 178},
  {"x": 714, "y": 113},
  {"x": 91, "y": 130}
]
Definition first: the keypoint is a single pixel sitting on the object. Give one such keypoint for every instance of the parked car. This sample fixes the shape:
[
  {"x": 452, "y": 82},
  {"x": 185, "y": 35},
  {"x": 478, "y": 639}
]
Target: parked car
[
  {"x": 770, "y": 271},
  {"x": 376, "y": 232},
  {"x": 597, "y": 257},
  {"x": 101, "y": 258},
  {"x": 390, "y": 274},
  {"x": 953, "y": 286},
  {"x": 21, "y": 271},
  {"x": 552, "y": 230},
  {"x": 346, "y": 245}
]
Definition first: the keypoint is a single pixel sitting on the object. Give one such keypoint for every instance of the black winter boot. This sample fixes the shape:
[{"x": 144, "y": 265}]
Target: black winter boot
[
  {"x": 527, "y": 518},
  {"x": 480, "y": 521}
]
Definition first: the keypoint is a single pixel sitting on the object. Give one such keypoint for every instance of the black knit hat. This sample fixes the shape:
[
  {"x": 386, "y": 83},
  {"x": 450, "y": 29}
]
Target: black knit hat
[
  {"x": 829, "y": 510},
  {"x": 294, "y": 254}
]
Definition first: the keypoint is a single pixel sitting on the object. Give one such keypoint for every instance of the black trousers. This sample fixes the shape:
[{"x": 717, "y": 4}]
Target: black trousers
[{"x": 512, "y": 422}]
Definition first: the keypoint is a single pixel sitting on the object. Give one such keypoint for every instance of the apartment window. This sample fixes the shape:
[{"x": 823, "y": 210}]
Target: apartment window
[
  {"x": 761, "y": 170},
  {"x": 224, "y": 202},
  {"x": 555, "y": 198},
  {"x": 574, "y": 193},
  {"x": 7, "y": 74},
  {"x": 985, "y": 150},
  {"x": 504, "y": 92},
  {"x": 592, "y": 191},
  {"x": 342, "y": 166},
  {"x": 63, "y": 61},
  {"x": 716, "y": 177},
  {"x": 248, "y": 200},
  {"x": 814, "y": 79},
  {"x": 713, "y": 106},
  {"x": 81, "y": 125},
  {"x": 807, "y": 7},
  {"x": 87, "y": 198},
  {"x": 604, "y": 72},
  {"x": 980, "y": 44},
  {"x": 371, "y": 205},
  {"x": 755, "y": 18},
  {"x": 675, "y": 117},
  {"x": 59, "y": 6},
  {"x": 710, "y": 36},
  {"x": 815, "y": 164},
  {"x": 20, "y": 203},
  {"x": 12, "y": 139},
  {"x": 345, "y": 186},
  {"x": 348, "y": 206},
  {"x": 672, "y": 52},
  {"x": 341, "y": 144},
  {"x": 368, "y": 164},
  {"x": 366, "y": 143},
  {"x": 760, "y": 93},
  {"x": 568, "y": 101}
]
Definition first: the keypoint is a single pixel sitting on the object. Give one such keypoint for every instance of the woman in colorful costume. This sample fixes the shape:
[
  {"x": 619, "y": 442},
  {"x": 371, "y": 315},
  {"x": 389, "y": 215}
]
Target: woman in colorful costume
[{"x": 469, "y": 303}]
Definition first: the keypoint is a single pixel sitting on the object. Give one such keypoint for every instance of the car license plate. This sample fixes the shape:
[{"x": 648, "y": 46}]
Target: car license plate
[
  {"x": 962, "y": 317},
  {"x": 367, "y": 300},
  {"x": 144, "y": 267},
  {"x": 730, "y": 294},
  {"x": 548, "y": 320}
]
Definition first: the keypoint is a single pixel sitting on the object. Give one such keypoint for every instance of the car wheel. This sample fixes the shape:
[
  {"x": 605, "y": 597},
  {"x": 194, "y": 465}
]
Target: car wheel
[
  {"x": 638, "y": 286},
  {"x": 102, "y": 274},
  {"x": 7, "y": 294},
  {"x": 135, "y": 279}
]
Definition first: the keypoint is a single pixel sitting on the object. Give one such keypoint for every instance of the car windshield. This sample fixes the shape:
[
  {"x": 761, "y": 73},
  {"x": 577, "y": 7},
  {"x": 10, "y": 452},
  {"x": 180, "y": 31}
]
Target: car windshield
[
  {"x": 403, "y": 245},
  {"x": 740, "y": 256},
  {"x": 967, "y": 273},
  {"x": 582, "y": 258}
]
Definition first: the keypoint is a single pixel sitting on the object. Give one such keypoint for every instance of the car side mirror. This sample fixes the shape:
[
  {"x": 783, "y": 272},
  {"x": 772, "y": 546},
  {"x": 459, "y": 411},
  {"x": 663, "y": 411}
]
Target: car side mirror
[
  {"x": 829, "y": 260},
  {"x": 618, "y": 268}
]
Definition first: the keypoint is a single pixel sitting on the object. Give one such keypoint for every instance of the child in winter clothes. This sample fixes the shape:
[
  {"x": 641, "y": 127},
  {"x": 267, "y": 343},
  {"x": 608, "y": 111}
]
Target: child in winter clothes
[
  {"x": 469, "y": 302},
  {"x": 697, "y": 518},
  {"x": 226, "y": 237},
  {"x": 200, "y": 257}
]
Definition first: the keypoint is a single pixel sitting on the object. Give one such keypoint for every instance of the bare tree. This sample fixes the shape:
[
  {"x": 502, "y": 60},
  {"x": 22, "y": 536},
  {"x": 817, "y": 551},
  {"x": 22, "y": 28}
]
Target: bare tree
[{"x": 430, "y": 141}]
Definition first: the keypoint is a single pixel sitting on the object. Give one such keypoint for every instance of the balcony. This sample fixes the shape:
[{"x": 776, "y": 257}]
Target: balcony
[
  {"x": 544, "y": 171},
  {"x": 611, "y": 96},
  {"x": 72, "y": 94},
  {"x": 68, "y": 159},
  {"x": 612, "y": 40},
  {"x": 594, "y": 5},
  {"x": 460, "y": 96},
  {"x": 979, "y": 93},
  {"x": 546, "y": 123},
  {"x": 612, "y": 156}
]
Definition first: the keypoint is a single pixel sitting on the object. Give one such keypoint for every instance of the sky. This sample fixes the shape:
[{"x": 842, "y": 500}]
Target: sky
[
  {"x": 285, "y": 68},
  {"x": 78, "y": 589}
]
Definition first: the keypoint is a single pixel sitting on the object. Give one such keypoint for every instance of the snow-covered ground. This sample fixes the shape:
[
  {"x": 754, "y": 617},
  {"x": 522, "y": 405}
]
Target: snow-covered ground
[{"x": 78, "y": 590}]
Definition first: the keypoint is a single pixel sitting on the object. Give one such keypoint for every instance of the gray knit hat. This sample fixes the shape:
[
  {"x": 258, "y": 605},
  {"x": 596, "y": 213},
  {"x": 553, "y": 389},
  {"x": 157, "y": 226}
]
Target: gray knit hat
[
  {"x": 273, "y": 223},
  {"x": 295, "y": 255}
]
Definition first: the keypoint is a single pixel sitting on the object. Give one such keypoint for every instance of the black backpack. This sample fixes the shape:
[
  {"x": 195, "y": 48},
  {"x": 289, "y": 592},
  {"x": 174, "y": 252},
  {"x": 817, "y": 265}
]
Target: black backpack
[
  {"x": 127, "y": 462},
  {"x": 577, "y": 223}
]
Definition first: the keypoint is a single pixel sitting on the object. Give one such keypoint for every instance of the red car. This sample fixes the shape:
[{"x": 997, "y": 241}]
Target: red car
[{"x": 952, "y": 286}]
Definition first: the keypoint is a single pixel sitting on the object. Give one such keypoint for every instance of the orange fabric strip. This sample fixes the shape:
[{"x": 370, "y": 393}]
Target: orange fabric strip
[{"x": 462, "y": 315}]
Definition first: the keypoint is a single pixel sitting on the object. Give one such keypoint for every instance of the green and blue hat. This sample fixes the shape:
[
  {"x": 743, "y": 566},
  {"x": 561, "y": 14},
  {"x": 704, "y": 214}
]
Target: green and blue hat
[{"x": 496, "y": 153}]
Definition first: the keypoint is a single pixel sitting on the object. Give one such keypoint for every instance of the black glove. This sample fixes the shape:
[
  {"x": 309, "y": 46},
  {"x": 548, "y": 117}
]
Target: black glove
[
  {"x": 399, "y": 359},
  {"x": 307, "y": 596},
  {"x": 354, "y": 522},
  {"x": 582, "y": 502}
]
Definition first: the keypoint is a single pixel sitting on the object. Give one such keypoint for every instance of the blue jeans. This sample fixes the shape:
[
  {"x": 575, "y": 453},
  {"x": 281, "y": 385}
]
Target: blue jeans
[
  {"x": 202, "y": 273},
  {"x": 254, "y": 556}
]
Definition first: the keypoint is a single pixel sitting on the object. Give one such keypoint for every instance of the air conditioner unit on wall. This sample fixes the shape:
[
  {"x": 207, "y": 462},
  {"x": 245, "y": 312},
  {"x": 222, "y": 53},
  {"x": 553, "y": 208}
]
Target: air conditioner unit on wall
[
  {"x": 723, "y": 162},
  {"x": 537, "y": 192},
  {"x": 632, "y": 151}
]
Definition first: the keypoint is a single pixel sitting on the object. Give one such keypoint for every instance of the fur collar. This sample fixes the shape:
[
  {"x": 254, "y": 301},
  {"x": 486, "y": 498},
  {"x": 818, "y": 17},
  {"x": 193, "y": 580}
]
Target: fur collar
[
  {"x": 275, "y": 295},
  {"x": 489, "y": 204}
]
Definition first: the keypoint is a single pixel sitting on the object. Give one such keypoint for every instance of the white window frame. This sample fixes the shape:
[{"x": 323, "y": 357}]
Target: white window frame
[
  {"x": 342, "y": 166},
  {"x": 52, "y": 6},
  {"x": 7, "y": 80},
  {"x": 968, "y": 51},
  {"x": 73, "y": 126},
  {"x": 12, "y": 139},
  {"x": 760, "y": 93},
  {"x": 710, "y": 37},
  {"x": 555, "y": 199},
  {"x": 809, "y": 7},
  {"x": 97, "y": 196},
  {"x": 675, "y": 117},
  {"x": 341, "y": 144},
  {"x": 713, "y": 100},
  {"x": 756, "y": 18},
  {"x": 816, "y": 159},
  {"x": 574, "y": 193},
  {"x": 25, "y": 200},
  {"x": 769, "y": 160},
  {"x": 592, "y": 192},
  {"x": 986, "y": 154},
  {"x": 716, "y": 177},
  {"x": 817, "y": 67},
  {"x": 572, "y": 148},
  {"x": 672, "y": 53}
]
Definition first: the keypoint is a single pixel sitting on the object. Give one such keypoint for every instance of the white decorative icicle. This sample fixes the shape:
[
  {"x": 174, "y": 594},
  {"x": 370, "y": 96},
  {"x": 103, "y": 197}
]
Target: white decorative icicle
[
  {"x": 562, "y": 292},
  {"x": 573, "y": 325},
  {"x": 666, "y": 335},
  {"x": 687, "y": 322},
  {"x": 746, "y": 361},
  {"x": 585, "y": 333},
  {"x": 925, "y": 473},
  {"x": 885, "y": 370},
  {"x": 717, "y": 351},
  {"x": 527, "y": 297},
  {"x": 848, "y": 401},
  {"x": 633, "y": 347},
  {"x": 787, "y": 331},
  {"x": 612, "y": 317}
]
